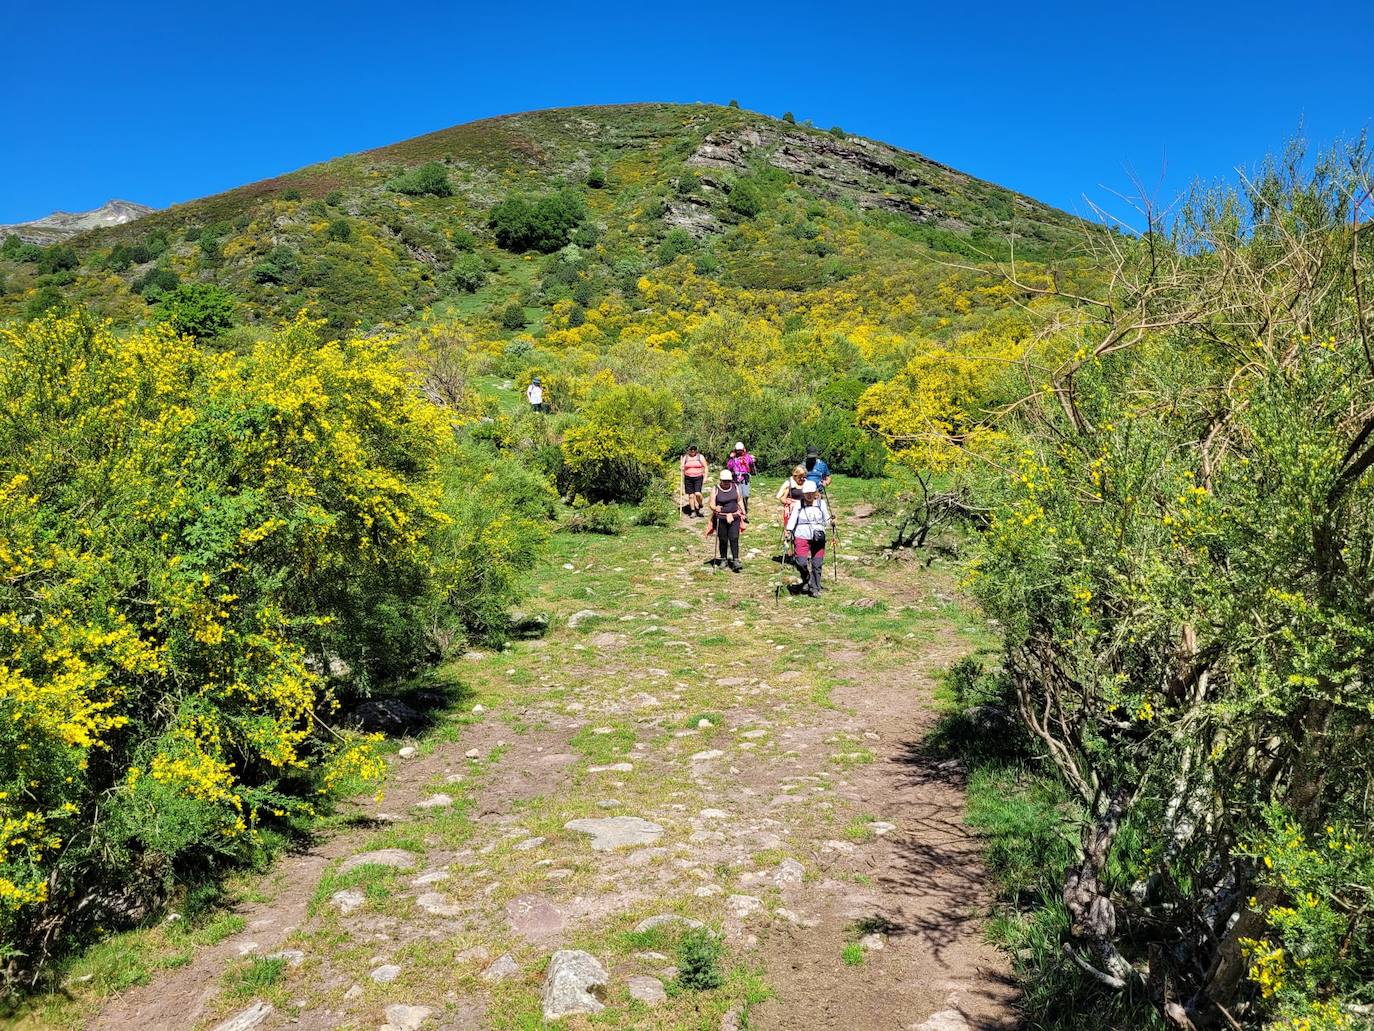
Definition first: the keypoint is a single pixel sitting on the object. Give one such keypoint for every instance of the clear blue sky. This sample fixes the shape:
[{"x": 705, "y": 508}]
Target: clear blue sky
[{"x": 162, "y": 102}]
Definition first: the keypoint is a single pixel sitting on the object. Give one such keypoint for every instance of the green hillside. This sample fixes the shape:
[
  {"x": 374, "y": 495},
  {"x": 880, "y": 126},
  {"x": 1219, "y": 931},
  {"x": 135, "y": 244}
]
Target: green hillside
[{"x": 746, "y": 201}]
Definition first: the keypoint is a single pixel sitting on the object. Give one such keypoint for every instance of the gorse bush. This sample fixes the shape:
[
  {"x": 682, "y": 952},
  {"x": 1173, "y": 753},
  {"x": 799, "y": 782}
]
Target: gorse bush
[
  {"x": 186, "y": 537},
  {"x": 199, "y": 310}
]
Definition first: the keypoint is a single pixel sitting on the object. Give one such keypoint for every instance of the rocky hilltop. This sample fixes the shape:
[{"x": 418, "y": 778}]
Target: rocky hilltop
[{"x": 62, "y": 225}]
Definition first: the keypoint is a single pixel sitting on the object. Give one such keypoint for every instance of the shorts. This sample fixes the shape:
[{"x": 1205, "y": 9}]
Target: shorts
[
  {"x": 744, "y": 489},
  {"x": 804, "y": 549},
  {"x": 692, "y": 484}
]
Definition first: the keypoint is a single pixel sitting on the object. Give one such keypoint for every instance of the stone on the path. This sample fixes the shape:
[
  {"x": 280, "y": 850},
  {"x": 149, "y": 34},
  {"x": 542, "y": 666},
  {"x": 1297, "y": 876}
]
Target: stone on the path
[
  {"x": 945, "y": 1020},
  {"x": 247, "y": 1019},
  {"x": 453, "y": 778},
  {"x": 881, "y": 827},
  {"x": 348, "y": 900},
  {"x": 612, "y": 768},
  {"x": 408, "y": 752},
  {"x": 706, "y": 756},
  {"x": 610, "y": 803},
  {"x": 436, "y": 904},
  {"x": 704, "y": 724},
  {"x": 581, "y": 616},
  {"x": 472, "y": 753},
  {"x": 431, "y": 877},
  {"x": 648, "y": 990},
  {"x": 753, "y": 734},
  {"x": 476, "y": 954},
  {"x": 742, "y": 907},
  {"x": 386, "y": 973},
  {"x": 573, "y": 983},
  {"x": 478, "y": 709},
  {"x": 353, "y": 992},
  {"x": 731, "y": 1021},
  {"x": 613, "y": 832},
  {"x": 528, "y": 843},
  {"x": 436, "y": 801},
  {"x": 396, "y": 858},
  {"x": 789, "y": 874},
  {"x": 535, "y": 918},
  {"x": 405, "y": 1018},
  {"x": 291, "y": 957},
  {"x": 707, "y": 890},
  {"x": 663, "y": 920},
  {"x": 863, "y": 511},
  {"x": 713, "y": 814},
  {"x": 795, "y": 919},
  {"x": 874, "y": 942},
  {"x": 501, "y": 969}
]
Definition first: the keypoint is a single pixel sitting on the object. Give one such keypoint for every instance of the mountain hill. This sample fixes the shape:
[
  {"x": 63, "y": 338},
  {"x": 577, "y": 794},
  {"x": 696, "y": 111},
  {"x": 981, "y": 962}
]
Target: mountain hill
[
  {"x": 62, "y": 225},
  {"x": 734, "y": 198}
]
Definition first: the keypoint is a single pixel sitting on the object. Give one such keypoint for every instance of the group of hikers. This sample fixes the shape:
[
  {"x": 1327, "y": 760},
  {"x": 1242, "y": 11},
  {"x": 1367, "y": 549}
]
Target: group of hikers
[{"x": 806, "y": 515}]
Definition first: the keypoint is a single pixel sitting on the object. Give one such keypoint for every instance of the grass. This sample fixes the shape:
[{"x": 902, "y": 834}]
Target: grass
[
  {"x": 852, "y": 954},
  {"x": 257, "y": 977}
]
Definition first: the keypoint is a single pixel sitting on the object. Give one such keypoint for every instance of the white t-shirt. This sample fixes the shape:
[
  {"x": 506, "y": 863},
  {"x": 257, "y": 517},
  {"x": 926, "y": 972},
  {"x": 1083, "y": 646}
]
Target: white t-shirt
[
  {"x": 806, "y": 520},
  {"x": 535, "y": 394}
]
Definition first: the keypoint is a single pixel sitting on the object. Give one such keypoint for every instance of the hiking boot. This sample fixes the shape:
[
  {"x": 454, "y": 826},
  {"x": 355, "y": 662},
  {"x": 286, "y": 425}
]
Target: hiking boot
[{"x": 735, "y": 567}]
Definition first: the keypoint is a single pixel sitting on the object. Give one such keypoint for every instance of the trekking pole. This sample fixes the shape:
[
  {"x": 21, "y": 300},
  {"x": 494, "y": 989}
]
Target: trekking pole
[{"x": 834, "y": 532}]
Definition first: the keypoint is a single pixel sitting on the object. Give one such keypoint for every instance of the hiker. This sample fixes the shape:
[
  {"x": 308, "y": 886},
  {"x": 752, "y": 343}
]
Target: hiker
[
  {"x": 741, "y": 465},
  {"x": 791, "y": 491},
  {"x": 817, "y": 471},
  {"x": 806, "y": 532},
  {"x": 727, "y": 517},
  {"x": 534, "y": 393},
  {"x": 694, "y": 468}
]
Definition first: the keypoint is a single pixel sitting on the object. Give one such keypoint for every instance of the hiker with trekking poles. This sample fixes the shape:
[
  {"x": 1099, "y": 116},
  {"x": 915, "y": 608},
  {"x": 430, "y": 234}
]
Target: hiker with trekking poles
[
  {"x": 805, "y": 532},
  {"x": 727, "y": 520},
  {"x": 741, "y": 466}
]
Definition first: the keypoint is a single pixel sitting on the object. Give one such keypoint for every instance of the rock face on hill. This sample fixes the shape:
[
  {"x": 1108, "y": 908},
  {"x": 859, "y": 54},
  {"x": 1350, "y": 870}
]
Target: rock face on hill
[{"x": 63, "y": 224}]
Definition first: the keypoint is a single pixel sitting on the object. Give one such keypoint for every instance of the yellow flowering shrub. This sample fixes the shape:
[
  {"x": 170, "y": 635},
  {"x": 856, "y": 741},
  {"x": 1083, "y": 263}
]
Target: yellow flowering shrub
[{"x": 187, "y": 539}]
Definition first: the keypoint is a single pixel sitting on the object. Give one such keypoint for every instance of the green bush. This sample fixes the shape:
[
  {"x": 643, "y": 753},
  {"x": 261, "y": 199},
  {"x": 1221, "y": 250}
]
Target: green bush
[
  {"x": 291, "y": 193},
  {"x": 58, "y": 258},
  {"x": 597, "y": 517},
  {"x": 513, "y": 316},
  {"x": 339, "y": 229},
  {"x": 607, "y": 462},
  {"x": 156, "y": 282},
  {"x": 675, "y": 243},
  {"x": 659, "y": 507},
  {"x": 46, "y": 299},
  {"x": 543, "y": 224},
  {"x": 746, "y": 198},
  {"x": 200, "y": 310},
  {"x": 430, "y": 179},
  {"x": 462, "y": 240},
  {"x": 596, "y": 177},
  {"x": 469, "y": 273},
  {"x": 334, "y": 198},
  {"x": 279, "y": 266},
  {"x": 699, "y": 954}
]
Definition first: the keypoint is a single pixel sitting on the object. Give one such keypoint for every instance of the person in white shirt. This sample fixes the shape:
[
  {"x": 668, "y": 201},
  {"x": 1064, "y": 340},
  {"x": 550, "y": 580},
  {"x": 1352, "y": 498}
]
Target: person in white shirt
[
  {"x": 806, "y": 525},
  {"x": 535, "y": 395}
]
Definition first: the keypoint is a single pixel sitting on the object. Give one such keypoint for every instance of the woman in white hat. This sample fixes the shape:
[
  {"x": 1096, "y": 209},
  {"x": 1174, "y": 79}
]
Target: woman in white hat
[
  {"x": 806, "y": 530},
  {"x": 727, "y": 514}
]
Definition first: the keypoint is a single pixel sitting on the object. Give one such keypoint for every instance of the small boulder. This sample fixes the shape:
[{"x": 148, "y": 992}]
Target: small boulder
[
  {"x": 945, "y": 1020},
  {"x": 501, "y": 969},
  {"x": 246, "y": 1020},
  {"x": 405, "y": 1018},
  {"x": 389, "y": 716},
  {"x": 574, "y": 982},
  {"x": 348, "y": 900},
  {"x": 435, "y": 801},
  {"x": 386, "y": 973},
  {"x": 613, "y": 832},
  {"x": 665, "y": 920},
  {"x": 435, "y": 904},
  {"x": 581, "y": 616},
  {"x": 396, "y": 858}
]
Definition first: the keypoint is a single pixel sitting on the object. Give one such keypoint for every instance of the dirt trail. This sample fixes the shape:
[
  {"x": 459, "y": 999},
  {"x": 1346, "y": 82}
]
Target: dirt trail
[{"x": 769, "y": 751}]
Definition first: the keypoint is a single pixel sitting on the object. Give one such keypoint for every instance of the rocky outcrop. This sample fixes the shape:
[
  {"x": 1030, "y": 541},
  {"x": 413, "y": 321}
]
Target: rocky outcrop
[
  {"x": 573, "y": 983},
  {"x": 63, "y": 224}
]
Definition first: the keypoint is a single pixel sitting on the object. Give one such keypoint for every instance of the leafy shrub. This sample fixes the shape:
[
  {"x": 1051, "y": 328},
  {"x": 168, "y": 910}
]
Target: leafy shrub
[
  {"x": 596, "y": 177},
  {"x": 734, "y": 103},
  {"x": 838, "y": 133},
  {"x": 334, "y": 198},
  {"x": 45, "y": 299},
  {"x": 597, "y": 517},
  {"x": 469, "y": 273},
  {"x": 789, "y": 118},
  {"x": 746, "y": 198},
  {"x": 279, "y": 266},
  {"x": 513, "y": 316},
  {"x": 676, "y": 242},
  {"x": 150, "y": 546},
  {"x": 58, "y": 258},
  {"x": 543, "y": 224},
  {"x": 156, "y": 282},
  {"x": 606, "y": 462},
  {"x": 699, "y": 954},
  {"x": 659, "y": 507},
  {"x": 200, "y": 310},
  {"x": 462, "y": 240},
  {"x": 291, "y": 193},
  {"x": 430, "y": 179},
  {"x": 11, "y": 246},
  {"x": 339, "y": 230}
]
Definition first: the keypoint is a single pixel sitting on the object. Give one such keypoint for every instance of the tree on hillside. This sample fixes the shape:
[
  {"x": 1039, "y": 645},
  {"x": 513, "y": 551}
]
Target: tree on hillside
[
  {"x": 543, "y": 224},
  {"x": 199, "y": 310},
  {"x": 429, "y": 179}
]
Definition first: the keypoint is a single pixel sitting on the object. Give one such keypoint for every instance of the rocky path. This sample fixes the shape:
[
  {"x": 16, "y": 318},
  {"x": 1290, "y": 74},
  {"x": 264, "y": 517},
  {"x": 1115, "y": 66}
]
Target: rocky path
[{"x": 684, "y": 746}]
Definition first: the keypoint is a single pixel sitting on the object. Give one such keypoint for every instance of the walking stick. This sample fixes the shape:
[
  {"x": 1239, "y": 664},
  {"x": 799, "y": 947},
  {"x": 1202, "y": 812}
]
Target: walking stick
[{"x": 834, "y": 532}]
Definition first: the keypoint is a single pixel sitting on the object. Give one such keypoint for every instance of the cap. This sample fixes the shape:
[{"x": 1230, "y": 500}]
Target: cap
[
  {"x": 739, "y": 446},
  {"x": 535, "y": 380},
  {"x": 811, "y": 487},
  {"x": 726, "y": 474},
  {"x": 811, "y": 452},
  {"x": 691, "y": 447}
]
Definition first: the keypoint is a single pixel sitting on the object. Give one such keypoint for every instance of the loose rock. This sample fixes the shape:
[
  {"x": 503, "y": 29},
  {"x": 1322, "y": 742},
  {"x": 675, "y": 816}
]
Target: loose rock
[
  {"x": 348, "y": 900},
  {"x": 405, "y": 1018},
  {"x": 500, "y": 970},
  {"x": 247, "y": 1019},
  {"x": 386, "y": 973},
  {"x": 574, "y": 983},
  {"x": 396, "y": 858},
  {"x": 436, "y": 801},
  {"x": 945, "y": 1020},
  {"x": 663, "y": 920},
  {"x": 535, "y": 918},
  {"x": 648, "y": 990},
  {"x": 437, "y": 905}
]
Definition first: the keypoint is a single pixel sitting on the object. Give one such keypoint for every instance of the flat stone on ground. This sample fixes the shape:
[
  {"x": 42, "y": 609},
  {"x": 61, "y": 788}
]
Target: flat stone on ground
[
  {"x": 405, "y": 1018},
  {"x": 501, "y": 969},
  {"x": 535, "y": 918},
  {"x": 664, "y": 920},
  {"x": 386, "y": 973},
  {"x": 648, "y": 990},
  {"x": 348, "y": 900},
  {"x": 945, "y": 1020},
  {"x": 437, "y": 904},
  {"x": 613, "y": 832},
  {"x": 396, "y": 858}
]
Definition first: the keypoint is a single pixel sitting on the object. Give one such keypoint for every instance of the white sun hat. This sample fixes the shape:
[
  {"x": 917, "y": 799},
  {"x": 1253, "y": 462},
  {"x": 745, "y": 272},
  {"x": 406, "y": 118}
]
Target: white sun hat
[
  {"x": 726, "y": 475},
  {"x": 811, "y": 487},
  {"x": 739, "y": 446}
]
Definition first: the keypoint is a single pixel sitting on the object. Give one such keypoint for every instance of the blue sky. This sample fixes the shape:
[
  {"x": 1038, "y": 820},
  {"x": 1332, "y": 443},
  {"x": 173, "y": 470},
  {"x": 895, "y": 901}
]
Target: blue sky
[{"x": 161, "y": 102}]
